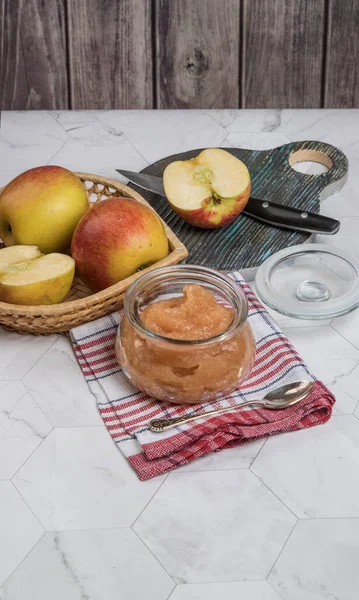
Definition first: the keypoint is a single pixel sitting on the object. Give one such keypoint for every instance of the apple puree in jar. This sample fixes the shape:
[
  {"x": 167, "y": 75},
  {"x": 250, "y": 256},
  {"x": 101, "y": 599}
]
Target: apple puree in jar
[{"x": 185, "y": 362}]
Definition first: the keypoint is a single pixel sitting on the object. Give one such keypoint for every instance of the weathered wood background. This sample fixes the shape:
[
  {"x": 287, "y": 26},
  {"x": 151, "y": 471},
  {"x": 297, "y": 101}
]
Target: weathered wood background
[{"x": 89, "y": 54}]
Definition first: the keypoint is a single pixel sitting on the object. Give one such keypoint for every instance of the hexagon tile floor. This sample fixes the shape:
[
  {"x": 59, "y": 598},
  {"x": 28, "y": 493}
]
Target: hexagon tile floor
[{"x": 273, "y": 520}]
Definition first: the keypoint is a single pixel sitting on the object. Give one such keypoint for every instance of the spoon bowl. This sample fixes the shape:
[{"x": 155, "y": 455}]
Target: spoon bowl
[{"x": 286, "y": 395}]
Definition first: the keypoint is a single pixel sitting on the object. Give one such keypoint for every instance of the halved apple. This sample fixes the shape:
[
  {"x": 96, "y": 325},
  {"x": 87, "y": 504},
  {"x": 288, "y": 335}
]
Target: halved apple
[
  {"x": 208, "y": 191},
  {"x": 16, "y": 254},
  {"x": 31, "y": 278}
]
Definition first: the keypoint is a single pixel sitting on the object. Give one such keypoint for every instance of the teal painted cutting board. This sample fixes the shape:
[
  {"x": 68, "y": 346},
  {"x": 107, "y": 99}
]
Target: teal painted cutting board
[{"x": 246, "y": 243}]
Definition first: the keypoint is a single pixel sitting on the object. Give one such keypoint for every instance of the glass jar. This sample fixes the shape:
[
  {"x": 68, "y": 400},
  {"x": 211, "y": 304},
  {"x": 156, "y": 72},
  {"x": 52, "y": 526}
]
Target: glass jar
[{"x": 185, "y": 371}]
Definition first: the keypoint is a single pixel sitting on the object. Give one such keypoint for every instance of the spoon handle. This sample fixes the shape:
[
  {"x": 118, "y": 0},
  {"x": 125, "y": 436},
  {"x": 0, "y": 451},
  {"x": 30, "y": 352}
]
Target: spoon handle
[{"x": 159, "y": 425}]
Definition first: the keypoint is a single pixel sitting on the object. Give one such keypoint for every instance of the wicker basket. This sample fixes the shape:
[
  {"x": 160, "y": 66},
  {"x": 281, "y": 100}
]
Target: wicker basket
[{"x": 81, "y": 305}]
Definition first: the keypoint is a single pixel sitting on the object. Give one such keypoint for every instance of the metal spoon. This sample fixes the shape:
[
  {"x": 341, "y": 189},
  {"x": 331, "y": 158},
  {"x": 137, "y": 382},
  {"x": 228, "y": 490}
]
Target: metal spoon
[{"x": 282, "y": 397}]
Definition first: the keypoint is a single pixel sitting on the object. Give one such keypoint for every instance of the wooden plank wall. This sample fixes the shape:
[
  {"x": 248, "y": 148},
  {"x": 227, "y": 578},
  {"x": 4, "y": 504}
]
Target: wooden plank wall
[
  {"x": 89, "y": 54},
  {"x": 283, "y": 53},
  {"x": 342, "y": 54},
  {"x": 110, "y": 53},
  {"x": 198, "y": 53}
]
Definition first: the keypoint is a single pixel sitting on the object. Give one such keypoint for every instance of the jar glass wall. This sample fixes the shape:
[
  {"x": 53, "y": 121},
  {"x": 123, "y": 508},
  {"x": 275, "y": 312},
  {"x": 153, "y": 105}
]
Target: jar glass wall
[{"x": 185, "y": 370}]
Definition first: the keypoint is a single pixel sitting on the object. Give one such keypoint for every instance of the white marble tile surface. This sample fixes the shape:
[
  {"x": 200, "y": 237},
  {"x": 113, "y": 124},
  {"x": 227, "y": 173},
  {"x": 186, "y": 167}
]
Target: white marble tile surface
[
  {"x": 19, "y": 530},
  {"x": 66, "y": 401},
  {"x": 215, "y": 526},
  {"x": 348, "y": 327},
  {"x": 315, "y": 471},
  {"x": 347, "y": 238},
  {"x": 96, "y": 148},
  {"x": 89, "y": 565},
  {"x": 160, "y": 133},
  {"x": 72, "y": 120},
  {"x": 22, "y": 427},
  {"x": 77, "y": 479},
  {"x": 248, "y": 120},
  {"x": 248, "y": 590},
  {"x": 345, "y": 203},
  {"x": 19, "y": 353},
  {"x": 212, "y": 524},
  {"x": 333, "y": 359},
  {"x": 335, "y": 127},
  {"x": 255, "y": 141},
  {"x": 28, "y": 142},
  {"x": 320, "y": 561}
]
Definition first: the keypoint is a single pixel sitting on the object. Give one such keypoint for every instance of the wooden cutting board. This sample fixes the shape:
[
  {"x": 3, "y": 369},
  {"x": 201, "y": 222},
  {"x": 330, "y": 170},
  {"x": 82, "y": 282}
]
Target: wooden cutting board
[{"x": 246, "y": 243}]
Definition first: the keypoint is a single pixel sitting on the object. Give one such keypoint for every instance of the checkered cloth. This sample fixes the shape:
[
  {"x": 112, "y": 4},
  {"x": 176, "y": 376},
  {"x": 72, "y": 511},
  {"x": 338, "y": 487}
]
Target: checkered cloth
[{"x": 126, "y": 412}]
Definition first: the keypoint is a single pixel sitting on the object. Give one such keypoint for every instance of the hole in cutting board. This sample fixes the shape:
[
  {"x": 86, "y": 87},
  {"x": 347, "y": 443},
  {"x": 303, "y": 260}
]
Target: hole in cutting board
[{"x": 310, "y": 161}]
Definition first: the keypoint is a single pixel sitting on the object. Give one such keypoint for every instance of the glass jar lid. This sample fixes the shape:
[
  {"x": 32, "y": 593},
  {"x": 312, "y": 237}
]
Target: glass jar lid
[{"x": 309, "y": 281}]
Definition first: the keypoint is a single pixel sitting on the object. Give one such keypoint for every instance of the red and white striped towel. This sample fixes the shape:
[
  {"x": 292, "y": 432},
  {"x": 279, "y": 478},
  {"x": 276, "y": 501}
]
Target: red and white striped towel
[{"x": 126, "y": 411}]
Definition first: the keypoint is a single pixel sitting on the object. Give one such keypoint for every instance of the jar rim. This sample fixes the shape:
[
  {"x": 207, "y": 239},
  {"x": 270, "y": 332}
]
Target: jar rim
[{"x": 220, "y": 280}]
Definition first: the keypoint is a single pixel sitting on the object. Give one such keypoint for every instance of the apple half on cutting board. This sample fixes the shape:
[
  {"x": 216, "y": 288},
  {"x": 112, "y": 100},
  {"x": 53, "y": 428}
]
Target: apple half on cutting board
[{"x": 208, "y": 191}]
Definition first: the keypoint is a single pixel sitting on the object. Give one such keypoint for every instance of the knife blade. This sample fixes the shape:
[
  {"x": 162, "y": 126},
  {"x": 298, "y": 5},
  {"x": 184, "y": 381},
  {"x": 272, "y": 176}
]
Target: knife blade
[{"x": 271, "y": 213}]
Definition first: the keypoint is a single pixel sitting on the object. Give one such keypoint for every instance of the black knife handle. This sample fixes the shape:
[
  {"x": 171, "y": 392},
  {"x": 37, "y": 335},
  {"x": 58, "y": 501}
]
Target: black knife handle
[{"x": 287, "y": 217}]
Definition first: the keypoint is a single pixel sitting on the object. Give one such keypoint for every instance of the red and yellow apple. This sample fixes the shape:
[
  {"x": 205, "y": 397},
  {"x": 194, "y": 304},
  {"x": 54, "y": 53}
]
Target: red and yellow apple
[
  {"x": 42, "y": 207},
  {"x": 208, "y": 191},
  {"x": 31, "y": 278},
  {"x": 116, "y": 238}
]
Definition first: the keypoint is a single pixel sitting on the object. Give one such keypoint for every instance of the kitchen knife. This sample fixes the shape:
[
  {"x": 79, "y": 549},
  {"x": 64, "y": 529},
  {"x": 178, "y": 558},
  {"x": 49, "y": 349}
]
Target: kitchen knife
[{"x": 271, "y": 213}]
